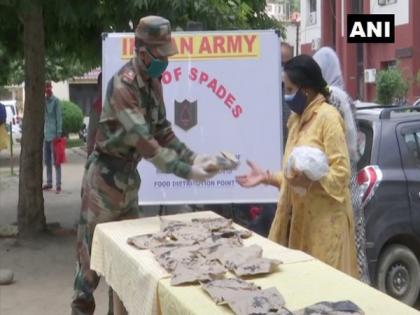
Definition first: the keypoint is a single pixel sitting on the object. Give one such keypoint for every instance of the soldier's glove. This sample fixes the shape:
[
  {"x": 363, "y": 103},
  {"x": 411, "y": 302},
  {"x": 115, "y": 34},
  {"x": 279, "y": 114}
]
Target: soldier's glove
[
  {"x": 208, "y": 162},
  {"x": 227, "y": 161},
  {"x": 200, "y": 174}
]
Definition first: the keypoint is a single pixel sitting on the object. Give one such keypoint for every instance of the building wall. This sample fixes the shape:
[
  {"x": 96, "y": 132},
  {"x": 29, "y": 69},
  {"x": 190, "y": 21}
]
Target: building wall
[
  {"x": 378, "y": 56},
  {"x": 310, "y": 34},
  {"x": 83, "y": 95},
  {"x": 400, "y": 9},
  {"x": 278, "y": 10},
  {"x": 405, "y": 51},
  {"x": 61, "y": 90},
  {"x": 291, "y": 32}
]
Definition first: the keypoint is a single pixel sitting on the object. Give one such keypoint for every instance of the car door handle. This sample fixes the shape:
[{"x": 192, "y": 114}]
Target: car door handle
[{"x": 414, "y": 196}]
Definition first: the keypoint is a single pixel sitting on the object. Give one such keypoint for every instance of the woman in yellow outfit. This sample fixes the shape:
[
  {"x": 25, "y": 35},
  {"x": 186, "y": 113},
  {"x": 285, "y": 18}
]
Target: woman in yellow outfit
[
  {"x": 320, "y": 222},
  {"x": 4, "y": 137}
]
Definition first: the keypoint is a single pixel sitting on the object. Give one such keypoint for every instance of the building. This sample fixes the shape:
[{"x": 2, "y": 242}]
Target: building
[
  {"x": 324, "y": 23},
  {"x": 80, "y": 90},
  {"x": 281, "y": 10}
]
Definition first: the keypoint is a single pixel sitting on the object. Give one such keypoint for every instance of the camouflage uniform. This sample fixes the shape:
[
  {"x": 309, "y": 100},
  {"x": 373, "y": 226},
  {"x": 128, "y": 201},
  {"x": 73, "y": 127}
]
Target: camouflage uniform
[{"x": 132, "y": 126}]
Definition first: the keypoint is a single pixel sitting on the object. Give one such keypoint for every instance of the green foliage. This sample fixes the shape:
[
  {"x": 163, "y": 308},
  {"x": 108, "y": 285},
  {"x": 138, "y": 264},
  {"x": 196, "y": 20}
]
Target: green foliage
[
  {"x": 295, "y": 5},
  {"x": 390, "y": 85},
  {"x": 72, "y": 117},
  {"x": 73, "y": 29},
  {"x": 74, "y": 143},
  {"x": 418, "y": 77}
]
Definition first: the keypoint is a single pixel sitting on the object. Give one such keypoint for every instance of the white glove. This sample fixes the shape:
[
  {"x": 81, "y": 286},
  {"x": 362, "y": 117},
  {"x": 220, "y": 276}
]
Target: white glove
[
  {"x": 199, "y": 173},
  {"x": 227, "y": 161},
  {"x": 207, "y": 162}
]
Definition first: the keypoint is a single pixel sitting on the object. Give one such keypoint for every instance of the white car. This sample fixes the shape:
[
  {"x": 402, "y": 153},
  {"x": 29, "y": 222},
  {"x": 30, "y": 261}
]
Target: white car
[
  {"x": 12, "y": 116},
  {"x": 417, "y": 103}
]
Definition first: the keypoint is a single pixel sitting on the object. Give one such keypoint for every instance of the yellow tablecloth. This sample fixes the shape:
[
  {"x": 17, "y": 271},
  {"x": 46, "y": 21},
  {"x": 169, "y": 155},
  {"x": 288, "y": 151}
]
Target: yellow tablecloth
[{"x": 144, "y": 287}]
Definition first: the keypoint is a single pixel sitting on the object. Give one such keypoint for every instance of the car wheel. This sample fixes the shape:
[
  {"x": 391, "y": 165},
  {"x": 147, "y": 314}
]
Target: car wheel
[{"x": 399, "y": 274}]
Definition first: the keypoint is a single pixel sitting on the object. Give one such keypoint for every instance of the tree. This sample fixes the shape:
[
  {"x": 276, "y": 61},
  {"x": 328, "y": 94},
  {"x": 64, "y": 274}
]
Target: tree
[
  {"x": 295, "y": 5},
  {"x": 71, "y": 45},
  {"x": 30, "y": 175},
  {"x": 390, "y": 86}
]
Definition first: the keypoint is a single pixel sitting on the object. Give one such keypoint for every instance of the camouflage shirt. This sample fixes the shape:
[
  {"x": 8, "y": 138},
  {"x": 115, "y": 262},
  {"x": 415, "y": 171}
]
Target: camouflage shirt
[{"x": 133, "y": 124}]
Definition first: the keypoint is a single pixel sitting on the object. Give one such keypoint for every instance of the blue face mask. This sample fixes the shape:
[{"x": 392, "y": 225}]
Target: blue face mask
[
  {"x": 296, "y": 102},
  {"x": 156, "y": 67}
]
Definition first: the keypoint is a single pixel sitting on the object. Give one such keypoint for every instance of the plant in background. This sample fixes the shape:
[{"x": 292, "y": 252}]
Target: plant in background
[
  {"x": 418, "y": 78},
  {"x": 72, "y": 117},
  {"x": 390, "y": 86}
]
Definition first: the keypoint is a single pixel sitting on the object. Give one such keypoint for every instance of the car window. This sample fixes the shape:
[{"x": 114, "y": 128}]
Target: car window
[
  {"x": 412, "y": 141},
  {"x": 12, "y": 109},
  {"x": 361, "y": 142},
  {"x": 9, "y": 113},
  {"x": 364, "y": 145}
]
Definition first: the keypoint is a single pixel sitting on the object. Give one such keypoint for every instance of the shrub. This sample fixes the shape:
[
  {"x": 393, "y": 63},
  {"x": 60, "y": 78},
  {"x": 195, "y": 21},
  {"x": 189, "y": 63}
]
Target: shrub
[
  {"x": 72, "y": 117},
  {"x": 390, "y": 86}
]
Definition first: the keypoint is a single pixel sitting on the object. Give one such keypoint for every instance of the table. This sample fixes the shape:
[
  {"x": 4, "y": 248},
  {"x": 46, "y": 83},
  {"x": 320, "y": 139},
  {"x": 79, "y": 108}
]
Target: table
[{"x": 144, "y": 287}]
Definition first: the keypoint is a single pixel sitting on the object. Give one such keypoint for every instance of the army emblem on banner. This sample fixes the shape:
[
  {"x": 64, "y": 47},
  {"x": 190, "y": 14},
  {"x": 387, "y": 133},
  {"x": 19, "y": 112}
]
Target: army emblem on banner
[{"x": 185, "y": 114}]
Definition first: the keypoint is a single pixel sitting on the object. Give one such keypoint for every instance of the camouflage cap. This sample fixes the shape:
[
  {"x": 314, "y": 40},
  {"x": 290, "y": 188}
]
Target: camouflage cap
[{"x": 155, "y": 32}]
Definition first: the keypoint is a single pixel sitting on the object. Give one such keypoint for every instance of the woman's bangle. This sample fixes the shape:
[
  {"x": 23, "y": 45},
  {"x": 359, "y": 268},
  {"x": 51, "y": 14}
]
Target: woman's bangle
[{"x": 268, "y": 178}]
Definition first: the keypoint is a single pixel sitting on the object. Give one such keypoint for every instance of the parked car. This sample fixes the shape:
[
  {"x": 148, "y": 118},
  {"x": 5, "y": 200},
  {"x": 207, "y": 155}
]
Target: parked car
[
  {"x": 417, "y": 103},
  {"x": 389, "y": 178},
  {"x": 12, "y": 116},
  {"x": 84, "y": 129}
]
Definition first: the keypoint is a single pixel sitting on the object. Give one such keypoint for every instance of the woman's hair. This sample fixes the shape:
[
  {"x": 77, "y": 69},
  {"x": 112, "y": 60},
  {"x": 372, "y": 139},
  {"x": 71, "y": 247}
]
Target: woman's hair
[{"x": 304, "y": 72}]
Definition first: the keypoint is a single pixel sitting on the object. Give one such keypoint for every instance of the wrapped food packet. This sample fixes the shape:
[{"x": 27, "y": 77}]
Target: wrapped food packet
[
  {"x": 309, "y": 160},
  {"x": 225, "y": 161}
]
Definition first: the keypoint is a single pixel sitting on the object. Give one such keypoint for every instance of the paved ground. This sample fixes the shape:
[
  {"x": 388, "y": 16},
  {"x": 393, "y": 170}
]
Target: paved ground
[{"x": 44, "y": 268}]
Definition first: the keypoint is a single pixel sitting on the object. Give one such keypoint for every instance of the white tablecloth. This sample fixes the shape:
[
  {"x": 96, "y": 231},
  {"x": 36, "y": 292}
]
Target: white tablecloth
[
  {"x": 134, "y": 274},
  {"x": 144, "y": 287}
]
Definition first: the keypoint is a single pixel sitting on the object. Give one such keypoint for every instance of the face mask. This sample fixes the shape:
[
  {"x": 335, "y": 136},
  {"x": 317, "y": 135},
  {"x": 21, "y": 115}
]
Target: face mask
[
  {"x": 48, "y": 92},
  {"x": 156, "y": 67},
  {"x": 296, "y": 102}
]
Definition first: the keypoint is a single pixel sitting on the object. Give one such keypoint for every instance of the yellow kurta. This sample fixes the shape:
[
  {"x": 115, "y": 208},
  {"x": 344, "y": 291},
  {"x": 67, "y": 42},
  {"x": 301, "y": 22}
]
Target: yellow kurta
[
  {"x": 4, "y": 137},
  {"x": 321, "y": 222}
]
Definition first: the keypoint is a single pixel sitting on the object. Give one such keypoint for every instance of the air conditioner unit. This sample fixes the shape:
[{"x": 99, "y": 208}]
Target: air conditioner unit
[
  {"x": 316, "y": 44},
  {"x": 370, "y": 75},
  {"x": 312, "y": 18}
]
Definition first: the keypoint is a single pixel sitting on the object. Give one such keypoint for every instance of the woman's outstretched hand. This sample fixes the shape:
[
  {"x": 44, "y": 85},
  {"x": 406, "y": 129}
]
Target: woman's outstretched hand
[{"x": 254, "y": 178}]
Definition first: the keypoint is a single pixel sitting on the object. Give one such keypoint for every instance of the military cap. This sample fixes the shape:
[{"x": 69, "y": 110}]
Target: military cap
[{"x": 155, "y": 32}]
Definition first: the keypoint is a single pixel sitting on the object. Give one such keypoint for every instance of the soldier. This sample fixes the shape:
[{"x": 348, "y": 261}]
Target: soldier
[{"x": 132, "y": 126}]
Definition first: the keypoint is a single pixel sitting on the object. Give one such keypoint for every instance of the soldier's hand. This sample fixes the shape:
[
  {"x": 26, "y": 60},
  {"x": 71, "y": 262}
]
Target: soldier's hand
[
  {"x": 208, "y": 162},
  {"x": 199, "y": 173}
]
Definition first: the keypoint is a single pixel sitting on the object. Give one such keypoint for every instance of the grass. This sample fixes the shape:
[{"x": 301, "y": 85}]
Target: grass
[{"x": 73, "y": 143}]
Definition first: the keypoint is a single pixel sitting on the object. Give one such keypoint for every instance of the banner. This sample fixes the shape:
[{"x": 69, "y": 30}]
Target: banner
[{"x": 222, "y": 92}]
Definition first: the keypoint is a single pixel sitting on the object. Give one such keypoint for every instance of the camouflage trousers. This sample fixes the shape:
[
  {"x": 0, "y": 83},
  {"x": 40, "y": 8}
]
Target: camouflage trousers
[{"x": 110, "y": 193}]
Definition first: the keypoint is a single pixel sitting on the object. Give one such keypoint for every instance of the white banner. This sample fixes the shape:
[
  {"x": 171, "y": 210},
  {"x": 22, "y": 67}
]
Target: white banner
[{"x": 222, "y": 92}]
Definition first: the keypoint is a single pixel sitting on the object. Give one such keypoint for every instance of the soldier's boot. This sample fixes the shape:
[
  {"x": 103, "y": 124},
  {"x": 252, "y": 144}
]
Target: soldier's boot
[
  {"x": 83, "y": 306},
  {"x": 110, "y": 301}
]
